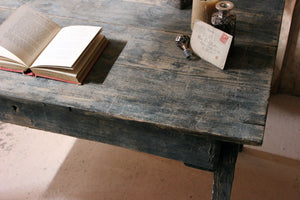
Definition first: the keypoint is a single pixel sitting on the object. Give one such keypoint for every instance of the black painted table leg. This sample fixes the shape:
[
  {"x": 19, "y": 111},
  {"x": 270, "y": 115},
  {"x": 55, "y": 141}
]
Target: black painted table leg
[{"x": 224, "y": 173}]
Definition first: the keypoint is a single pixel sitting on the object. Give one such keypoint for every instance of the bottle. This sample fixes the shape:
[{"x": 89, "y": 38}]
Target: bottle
[{"x": 223, "y": 19}]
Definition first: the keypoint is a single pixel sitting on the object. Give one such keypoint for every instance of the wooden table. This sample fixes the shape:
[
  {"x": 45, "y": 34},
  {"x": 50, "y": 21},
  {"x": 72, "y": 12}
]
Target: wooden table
[{"x": 143, "y": 94}]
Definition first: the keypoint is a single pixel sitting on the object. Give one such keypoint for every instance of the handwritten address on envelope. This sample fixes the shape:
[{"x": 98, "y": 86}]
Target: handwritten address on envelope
[{"x": 210, "y": 43}]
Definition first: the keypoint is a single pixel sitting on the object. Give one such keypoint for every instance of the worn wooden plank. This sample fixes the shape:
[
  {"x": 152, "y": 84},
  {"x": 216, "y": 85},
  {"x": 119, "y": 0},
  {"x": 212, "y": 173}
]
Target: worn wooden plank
[
  {"x": 224, "y": 173},
  {"x": 149, "y": 81},
  {"x": 157, "y": 140},
  {"x": 258, "y": 21},
  {"x": 13, "y": 4},
  {"x": 181, "y": 4},
  {"x": 149, "y": 14},
  {"x": 254, "y": 21},
  {"x": 142, "y": 93}
]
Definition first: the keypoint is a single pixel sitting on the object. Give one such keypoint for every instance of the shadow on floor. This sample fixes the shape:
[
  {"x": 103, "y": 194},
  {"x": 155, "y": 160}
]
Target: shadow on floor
[{"x": 99, "y": 171}]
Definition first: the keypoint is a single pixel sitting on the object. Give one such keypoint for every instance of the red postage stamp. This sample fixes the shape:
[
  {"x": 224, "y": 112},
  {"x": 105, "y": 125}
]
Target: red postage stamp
[{"x": 224, "y": 38}]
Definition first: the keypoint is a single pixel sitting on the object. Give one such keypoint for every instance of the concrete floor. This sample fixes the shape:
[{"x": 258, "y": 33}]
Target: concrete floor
[{"x": 39, "y": 165}]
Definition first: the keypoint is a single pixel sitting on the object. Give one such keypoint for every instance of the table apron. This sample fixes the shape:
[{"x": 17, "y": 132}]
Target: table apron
[{"x": 200, "y": 152}]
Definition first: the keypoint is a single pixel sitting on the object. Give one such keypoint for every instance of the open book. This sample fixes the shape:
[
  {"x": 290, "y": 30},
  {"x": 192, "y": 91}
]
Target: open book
[{"x": 33, "y": 44}]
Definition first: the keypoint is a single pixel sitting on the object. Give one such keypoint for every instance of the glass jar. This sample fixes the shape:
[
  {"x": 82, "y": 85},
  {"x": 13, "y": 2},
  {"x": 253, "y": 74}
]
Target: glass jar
[{"x": 223, "y": 19}]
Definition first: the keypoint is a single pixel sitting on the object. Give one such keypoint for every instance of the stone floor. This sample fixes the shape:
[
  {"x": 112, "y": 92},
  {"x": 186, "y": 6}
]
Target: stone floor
[{"x": 39, "y": 165}]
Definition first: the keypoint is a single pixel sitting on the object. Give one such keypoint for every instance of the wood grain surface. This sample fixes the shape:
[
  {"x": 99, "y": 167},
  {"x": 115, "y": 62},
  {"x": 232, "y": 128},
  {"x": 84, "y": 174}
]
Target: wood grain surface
[
  {"x": 148, "y": 80},
  {"x": 224, "y": 174},
  {"x": 181, "y": 4}
]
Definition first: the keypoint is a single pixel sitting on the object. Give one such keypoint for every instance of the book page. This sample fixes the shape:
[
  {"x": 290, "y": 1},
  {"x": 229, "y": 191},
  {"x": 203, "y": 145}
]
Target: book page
[
  {"x": 26, "y": 33},
  {"x": 8, "y": 56},
  {"x": 84, "y": 63},
  {"x": 67, "y": 46}
]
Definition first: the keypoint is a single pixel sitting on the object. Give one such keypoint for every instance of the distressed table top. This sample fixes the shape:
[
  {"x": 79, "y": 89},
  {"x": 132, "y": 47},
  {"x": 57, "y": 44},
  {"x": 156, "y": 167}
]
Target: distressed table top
[{"x": 143, "y": 77}]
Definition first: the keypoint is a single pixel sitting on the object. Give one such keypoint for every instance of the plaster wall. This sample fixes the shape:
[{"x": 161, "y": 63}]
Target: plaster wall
[{"x": 290, "y": 73}]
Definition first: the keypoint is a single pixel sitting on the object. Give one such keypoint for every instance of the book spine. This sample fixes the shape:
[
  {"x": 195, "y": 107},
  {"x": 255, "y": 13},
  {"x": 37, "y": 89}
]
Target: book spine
[
  {"x": 32, "y": 74},
  {"x": 11, "y": 70},
  {"x": 18, "y": 71},
  {"x": 58, "y": 79}
]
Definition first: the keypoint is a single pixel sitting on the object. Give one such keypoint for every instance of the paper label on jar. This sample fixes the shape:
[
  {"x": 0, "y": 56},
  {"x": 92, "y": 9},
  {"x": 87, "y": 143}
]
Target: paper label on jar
[{"x": 210, "y": 43}]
